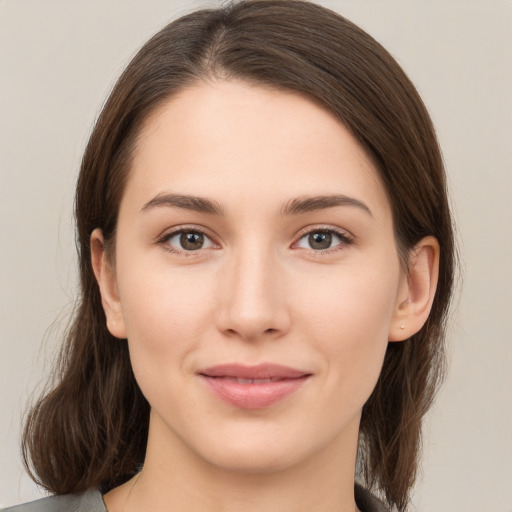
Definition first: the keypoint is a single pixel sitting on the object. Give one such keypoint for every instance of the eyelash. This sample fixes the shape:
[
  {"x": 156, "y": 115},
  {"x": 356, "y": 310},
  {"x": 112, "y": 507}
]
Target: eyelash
[
  {"x": 344, "y": 237},
  {"x": 164, "y": 239}
]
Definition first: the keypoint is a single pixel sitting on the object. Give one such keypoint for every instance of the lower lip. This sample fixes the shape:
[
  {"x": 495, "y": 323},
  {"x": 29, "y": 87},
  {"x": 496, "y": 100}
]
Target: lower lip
[{"x": 255, "y": 395}]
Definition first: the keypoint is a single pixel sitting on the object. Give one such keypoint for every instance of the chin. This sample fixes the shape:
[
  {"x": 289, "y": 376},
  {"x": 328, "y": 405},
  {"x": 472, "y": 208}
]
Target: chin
[
  {"x": 252, "y": 460},
  {"x": 250, "y": 449}
]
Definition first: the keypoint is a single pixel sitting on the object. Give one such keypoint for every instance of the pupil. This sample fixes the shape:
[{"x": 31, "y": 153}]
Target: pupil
[
  {"x": 320, "y": 240},
  {"x": 191, "y": 241}
]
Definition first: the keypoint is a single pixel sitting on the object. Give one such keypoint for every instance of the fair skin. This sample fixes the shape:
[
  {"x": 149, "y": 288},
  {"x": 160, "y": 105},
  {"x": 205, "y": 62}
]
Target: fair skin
[{"x": 318, "y": 288}]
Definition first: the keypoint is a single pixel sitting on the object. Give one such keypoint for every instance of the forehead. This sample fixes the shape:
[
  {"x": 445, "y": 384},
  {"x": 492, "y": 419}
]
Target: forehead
[{"x": 238, "y": 142}]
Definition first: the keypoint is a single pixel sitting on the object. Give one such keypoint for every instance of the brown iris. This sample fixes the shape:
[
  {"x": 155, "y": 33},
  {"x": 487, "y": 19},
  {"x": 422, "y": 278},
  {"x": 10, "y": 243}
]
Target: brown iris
[
  {"x": 320, "y": 240},
  {"x": 191, "y": 240}
]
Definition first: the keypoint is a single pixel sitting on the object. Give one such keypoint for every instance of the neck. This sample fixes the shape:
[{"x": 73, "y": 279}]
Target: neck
[{"x": 177, "y": 479}]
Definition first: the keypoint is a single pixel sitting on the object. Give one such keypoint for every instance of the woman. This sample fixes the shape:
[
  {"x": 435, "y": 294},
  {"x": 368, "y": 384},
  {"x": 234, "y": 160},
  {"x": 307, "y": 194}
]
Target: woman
[{"x": 266, "y": 258}]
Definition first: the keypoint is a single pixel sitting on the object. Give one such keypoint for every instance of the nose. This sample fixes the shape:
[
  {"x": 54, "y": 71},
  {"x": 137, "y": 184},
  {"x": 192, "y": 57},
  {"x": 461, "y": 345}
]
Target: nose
[{"x": 253, "y": 303}]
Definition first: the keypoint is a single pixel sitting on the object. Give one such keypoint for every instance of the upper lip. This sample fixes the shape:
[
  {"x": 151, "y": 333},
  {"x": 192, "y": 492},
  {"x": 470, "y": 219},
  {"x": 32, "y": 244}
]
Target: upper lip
[{"x": 260, "y": 371}]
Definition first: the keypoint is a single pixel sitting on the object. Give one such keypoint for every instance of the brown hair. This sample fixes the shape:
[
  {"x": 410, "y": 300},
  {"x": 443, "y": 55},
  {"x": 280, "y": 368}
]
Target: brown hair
[{"x": 90, "y": 429}]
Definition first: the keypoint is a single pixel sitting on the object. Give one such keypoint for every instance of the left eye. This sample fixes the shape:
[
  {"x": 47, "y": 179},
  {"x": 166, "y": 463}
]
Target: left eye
[
  {"x": 321, "y": 240},
  {"x": 189, "y": 240}
]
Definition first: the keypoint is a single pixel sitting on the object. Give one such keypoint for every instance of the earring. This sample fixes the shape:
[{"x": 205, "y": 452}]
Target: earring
[{"x": 402, "y": 326}]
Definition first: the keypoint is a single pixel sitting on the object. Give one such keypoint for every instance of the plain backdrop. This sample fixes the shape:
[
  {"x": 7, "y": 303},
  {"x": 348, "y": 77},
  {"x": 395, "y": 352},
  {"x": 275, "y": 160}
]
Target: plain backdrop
[{"x": 59, "y": 59}]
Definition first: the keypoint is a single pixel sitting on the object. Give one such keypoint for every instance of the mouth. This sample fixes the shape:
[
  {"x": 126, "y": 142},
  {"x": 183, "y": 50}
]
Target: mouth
[
  {"x": 249, "y": 381},
  {"x": 253, "y": 387}
]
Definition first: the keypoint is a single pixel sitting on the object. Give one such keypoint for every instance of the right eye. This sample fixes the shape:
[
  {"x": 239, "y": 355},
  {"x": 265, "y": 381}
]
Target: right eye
[{"x": 187, "y": 240}]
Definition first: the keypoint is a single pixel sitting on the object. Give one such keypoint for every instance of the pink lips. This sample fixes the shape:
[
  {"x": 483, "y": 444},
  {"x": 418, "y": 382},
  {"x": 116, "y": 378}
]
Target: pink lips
[{"x": 253, "y": 387}]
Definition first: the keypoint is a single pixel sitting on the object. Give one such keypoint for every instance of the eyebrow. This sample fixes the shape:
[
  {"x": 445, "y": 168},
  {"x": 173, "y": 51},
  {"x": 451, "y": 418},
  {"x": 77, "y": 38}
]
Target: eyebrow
[
  {"x": 197, "y": 204},
  {"x": 294, "y": 207},
  {"x": 312, "y": 203}
]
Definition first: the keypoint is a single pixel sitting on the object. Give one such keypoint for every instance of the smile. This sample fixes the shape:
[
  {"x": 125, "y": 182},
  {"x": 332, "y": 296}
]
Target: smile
[
  {"x": 253, "y": 387},
  {"x": 249, "y": 381}
]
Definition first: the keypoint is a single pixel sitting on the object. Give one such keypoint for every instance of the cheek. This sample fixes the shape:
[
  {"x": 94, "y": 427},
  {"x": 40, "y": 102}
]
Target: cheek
[
  {"x": 349, "y": 323},
  {"x": 165, "y": 313},
  {"x": 357, "y": 303}
]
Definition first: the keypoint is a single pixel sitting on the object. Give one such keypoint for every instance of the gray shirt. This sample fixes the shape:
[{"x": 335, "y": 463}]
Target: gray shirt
[{"x": 92, "y": 501}]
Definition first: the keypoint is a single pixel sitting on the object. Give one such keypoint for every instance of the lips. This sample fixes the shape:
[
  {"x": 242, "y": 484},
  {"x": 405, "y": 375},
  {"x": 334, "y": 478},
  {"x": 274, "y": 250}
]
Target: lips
[{"x": 253, "y": 387}]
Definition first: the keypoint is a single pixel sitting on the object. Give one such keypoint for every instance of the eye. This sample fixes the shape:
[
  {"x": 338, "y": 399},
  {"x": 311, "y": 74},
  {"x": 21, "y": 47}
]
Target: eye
[
  {"x": 187, "y": 240},
  {"x": 323, "y": 239}
]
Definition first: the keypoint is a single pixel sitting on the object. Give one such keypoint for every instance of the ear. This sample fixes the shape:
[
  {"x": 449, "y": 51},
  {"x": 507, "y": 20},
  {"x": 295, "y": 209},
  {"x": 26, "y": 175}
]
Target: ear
[
  {"x": 105, "y": 276},
  {"x": 417, "y": 290}
]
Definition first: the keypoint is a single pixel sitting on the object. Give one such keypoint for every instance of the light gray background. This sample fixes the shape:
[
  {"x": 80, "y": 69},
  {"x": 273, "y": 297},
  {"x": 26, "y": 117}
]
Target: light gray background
[{"x": 58, "y": 60}]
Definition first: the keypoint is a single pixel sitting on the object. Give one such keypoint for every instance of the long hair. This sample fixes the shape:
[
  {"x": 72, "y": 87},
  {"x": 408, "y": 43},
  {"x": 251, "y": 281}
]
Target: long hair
[{"x": 90, "y": 429}]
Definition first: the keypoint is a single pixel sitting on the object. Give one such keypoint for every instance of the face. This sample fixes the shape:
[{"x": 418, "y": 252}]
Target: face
[{"x": 256, "y": 277}]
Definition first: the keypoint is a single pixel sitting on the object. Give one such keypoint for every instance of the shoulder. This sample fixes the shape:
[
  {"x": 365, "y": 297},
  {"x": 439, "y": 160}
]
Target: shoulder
[
  {"x": 367, "y": 502},
  {"x": 90, "y": 501}
]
